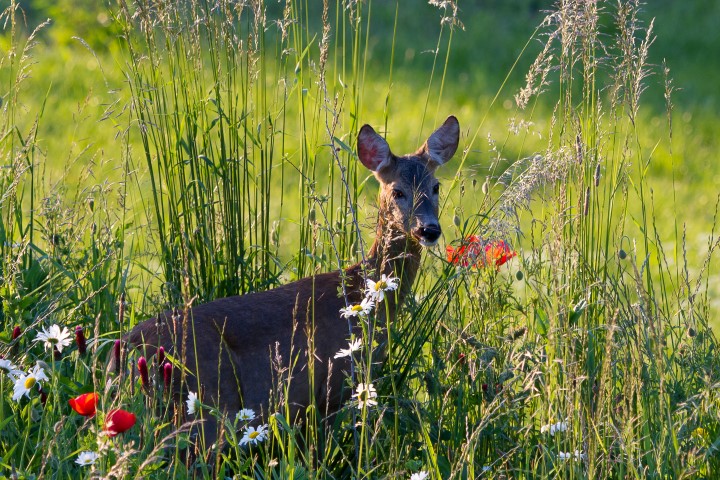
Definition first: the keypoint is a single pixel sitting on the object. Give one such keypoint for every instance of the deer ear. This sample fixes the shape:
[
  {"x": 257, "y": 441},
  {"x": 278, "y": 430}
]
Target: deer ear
[
  {"x": 443, "y": 143},
  {"x": 373, "y": 150}
]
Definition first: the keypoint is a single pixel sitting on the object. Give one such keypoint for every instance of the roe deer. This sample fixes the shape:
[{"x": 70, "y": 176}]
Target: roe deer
[{"x": 229, "y": 341}]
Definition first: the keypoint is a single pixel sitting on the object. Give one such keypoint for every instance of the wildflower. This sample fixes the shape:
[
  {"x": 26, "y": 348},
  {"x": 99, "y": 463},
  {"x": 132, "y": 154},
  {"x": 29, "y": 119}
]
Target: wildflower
[
  {"x": 353, "y": 346},
  {"x": 476, "y": 252},
  {"x": 421, "y": 475},
  {"x": 16, "y": 332},
  {"x": 80, "y": 340},
  {"x": 365, "y": 395},
  {"x": 554, "y": 428},
  {"x": 363, "y": 308},
  {"x": 55, "y": 337},
  {"x": 118, "y": 421},
  {"x": 116, "y": 355},
  {"x": 245, "y": 415},
  {"x": 467, "y": 253},
  {"x": 577, "y": 455},
  {"x": 143, "y": 369},
  {"x": 499, "y": 253},
  {"x": 85, "y": 404},
  {"x": 167, "y": 374},
  {"x": 10, "y": 369},
  {"x": 25, "y": 383},
  {"x": 193, "y": 404},
  {"x": 160, "y": 358},
  {"x": 254, "y": 436},
  {"x": 86, "y": 458},
  {"x": 376, "y": 290}
]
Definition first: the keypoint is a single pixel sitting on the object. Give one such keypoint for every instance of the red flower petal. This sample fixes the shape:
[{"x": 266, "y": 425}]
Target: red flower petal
[
  {"x": 499, "y": 253},
  {"x": 84, "y": 404},
  {"x": 470, "y": 253},
  {"x": 118, "y": 421}
]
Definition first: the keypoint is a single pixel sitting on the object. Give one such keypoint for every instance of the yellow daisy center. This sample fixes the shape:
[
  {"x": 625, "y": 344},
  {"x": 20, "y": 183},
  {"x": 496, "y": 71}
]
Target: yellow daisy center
[
  {"x": 381, "y": 285},
  {"x": 356, "y": 308},
  {"x": 253, "y": 435},
  {"x": 30, "y": 382}
]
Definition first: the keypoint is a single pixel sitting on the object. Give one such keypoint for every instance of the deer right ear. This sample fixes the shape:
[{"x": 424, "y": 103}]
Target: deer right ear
[{"x": 373, "y": 150}]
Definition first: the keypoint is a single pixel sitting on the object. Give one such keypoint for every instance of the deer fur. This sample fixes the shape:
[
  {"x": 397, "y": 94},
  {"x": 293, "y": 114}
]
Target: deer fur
[{"x": 229, "y": 342}]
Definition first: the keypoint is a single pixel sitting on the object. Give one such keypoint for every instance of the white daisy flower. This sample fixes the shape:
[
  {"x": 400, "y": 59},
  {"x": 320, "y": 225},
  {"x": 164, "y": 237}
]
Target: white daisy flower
[
  {"x": 10, "y": 369},
  {"x": 421, "y": 475},
  {"x": 193, "y": 404},
  {"x": 376, "y": 290},
  {"x": 253, "y": 436},
  {"x": 245, "y": 415},
  {"x": 365, "y": 395},
  {"x": 55, "y": 337},
  {"x": 363, "y": 308},
  {"x": 87, "y": 458},
  {"x": 25, "y": 383},
  {"x": 353, "y": 346}
]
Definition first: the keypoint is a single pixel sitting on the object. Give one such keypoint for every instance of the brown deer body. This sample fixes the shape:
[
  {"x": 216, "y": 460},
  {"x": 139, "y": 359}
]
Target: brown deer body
[{"x": 229, "y": 342}]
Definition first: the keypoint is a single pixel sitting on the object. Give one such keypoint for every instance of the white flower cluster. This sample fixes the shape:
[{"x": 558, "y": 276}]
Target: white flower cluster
[
  {"x": 53, "y": 337},
  {"x": 365, "y": 393},
  {"x": 576, "y": 455},
  {"x": 554, "y": 428},
  {"x": 374, "y": 293}
]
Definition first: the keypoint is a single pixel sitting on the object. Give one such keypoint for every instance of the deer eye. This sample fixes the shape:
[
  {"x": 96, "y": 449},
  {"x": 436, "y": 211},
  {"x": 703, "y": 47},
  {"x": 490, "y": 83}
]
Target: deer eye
[
  {"x": 436, "y": 189},
  {"x": 397, "y": 194}
]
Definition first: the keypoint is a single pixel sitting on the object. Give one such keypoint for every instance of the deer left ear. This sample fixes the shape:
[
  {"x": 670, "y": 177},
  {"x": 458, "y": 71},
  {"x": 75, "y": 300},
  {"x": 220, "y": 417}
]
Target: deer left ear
[
  {"x": 373, "y": 150},
  {"x": 443, "y": 143}
]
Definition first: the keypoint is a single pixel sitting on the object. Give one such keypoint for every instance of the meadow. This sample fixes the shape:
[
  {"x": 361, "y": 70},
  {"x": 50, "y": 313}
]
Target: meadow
[{"x": 161, "y": 155}]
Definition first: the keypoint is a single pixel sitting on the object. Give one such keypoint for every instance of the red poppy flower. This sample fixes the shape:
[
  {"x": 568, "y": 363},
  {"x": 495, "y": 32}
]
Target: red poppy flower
[
  {"x": 498, "y": 252},
  {"x": 85, "y": 404},
  {"x": 118, "y": 421},
  {"x": 476, "y": 252},
  {"x": 467, "y": 253}
]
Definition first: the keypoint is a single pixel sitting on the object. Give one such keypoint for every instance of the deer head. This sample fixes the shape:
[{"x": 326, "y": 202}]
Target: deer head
[{"x": 409, "y": 191}]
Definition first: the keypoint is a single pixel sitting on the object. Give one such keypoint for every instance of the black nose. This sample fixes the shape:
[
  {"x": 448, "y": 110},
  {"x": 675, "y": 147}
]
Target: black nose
[{"x": 429, "y": 233}]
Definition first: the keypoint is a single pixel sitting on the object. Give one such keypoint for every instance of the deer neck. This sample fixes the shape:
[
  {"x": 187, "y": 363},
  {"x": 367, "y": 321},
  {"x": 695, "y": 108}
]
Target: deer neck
[{"x": 394, "y": 253}]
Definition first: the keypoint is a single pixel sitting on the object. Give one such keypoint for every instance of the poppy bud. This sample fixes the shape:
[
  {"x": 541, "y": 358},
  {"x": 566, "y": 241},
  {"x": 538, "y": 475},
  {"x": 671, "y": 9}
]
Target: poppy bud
[
  {"x": 16, "y": 332},
  {"x": 80, "y": 340},
  {"x": 143, "y": 369}
]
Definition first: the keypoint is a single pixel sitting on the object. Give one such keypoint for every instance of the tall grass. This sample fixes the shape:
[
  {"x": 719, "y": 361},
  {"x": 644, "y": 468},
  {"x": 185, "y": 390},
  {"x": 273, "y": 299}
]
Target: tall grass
[{"x": 588, "y": 355}]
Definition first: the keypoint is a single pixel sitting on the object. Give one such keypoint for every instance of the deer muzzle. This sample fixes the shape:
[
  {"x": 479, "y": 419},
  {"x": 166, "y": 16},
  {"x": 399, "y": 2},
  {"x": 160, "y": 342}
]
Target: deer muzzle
[{"x": 427, "y": 235}]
